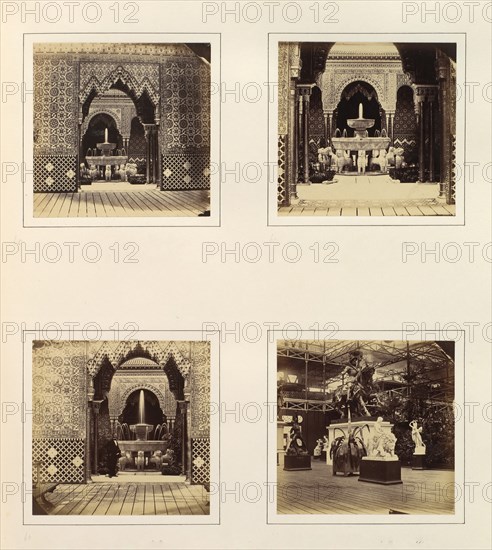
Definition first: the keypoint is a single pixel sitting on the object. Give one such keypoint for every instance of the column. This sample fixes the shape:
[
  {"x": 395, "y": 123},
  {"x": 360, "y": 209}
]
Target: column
[
  {"x": 79, "y": 156},
  {"x": 184, "y": 435},
  {"x": 148, "y": 131},
  {"x": 444, "y": 115},
  {"x": 292, "y": 145},
  {"x": 431, "y": 137},
  {"x": 419, "y": 98},
  {"x": 154, "y": 154},
  {"x": 88, "y": 434},
  {"x": 391, "y": 118},
  {"x": 95, "y": 408},
  {"x": 305, "y": 93}
]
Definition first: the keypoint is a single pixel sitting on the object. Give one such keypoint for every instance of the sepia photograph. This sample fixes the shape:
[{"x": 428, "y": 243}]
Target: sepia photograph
[
  {"x": 365, "y": 427},
  {"x": 121, "y": 130},
  {"x": 121, "y": 428},
  {"x": 366, "y": 129}
]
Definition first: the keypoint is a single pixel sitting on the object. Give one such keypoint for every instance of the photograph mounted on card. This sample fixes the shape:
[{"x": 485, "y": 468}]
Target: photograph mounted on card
[
  {"x": 121, "y": 429},
  {"x": 366, "y": 427},
  {"x": 369, "y": 131},
  {"x": 122, "y": 131}
]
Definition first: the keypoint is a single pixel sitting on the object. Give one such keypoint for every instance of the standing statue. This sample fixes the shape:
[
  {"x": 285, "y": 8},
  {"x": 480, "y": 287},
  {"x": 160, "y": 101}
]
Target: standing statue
[
  {"x": 107, "y": 173},
  {"x": 417, "y": 438},
  {"x": 296, "y": 446},
  {"x": 361, "y": 162},
  {"x": 357, "y": 387},
  {"x": 381, "y": 443}
]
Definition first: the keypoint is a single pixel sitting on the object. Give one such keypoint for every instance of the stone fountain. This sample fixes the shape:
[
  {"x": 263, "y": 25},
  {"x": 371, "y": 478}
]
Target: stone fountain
[
  {"x": 103, "y": 162},
  {"x": 360, "y": 141},
  {"x": 141, "y": 431}
]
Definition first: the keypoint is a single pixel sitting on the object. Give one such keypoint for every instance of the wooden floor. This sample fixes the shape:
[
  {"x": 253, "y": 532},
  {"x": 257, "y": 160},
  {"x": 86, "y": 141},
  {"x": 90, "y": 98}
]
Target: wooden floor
[
  {"x": 317, "y": 491},
  {"x": 347, "y": 208},
  {"x": 128, "y": 499},
  {"x": 105, "y": 204}
]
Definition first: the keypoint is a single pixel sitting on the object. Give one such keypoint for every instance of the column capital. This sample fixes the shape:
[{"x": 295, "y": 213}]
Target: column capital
[{"x": 305, "y": 90}]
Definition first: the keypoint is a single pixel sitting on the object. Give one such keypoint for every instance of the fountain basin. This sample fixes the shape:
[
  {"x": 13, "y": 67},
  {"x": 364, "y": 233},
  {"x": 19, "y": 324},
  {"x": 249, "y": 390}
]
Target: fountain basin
[
  {"x": 141, "y": 431},
  {"x": 106, "y": 160},
  {"x": 150, "y": 445},
  {"x": 360, "y": 143}
]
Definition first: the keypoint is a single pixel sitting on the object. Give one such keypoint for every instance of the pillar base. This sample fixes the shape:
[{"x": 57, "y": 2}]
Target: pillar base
[
  {"x": 383, "y": 472},
  {"x": 418, "y": 462}
]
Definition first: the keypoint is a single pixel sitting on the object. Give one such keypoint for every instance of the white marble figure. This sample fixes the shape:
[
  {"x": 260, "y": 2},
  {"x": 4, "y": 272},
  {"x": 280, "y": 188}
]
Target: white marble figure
[
  {"x": 107, "y": 173},
  {"x": 417, "y": 438},
  {"x": 381, "y": 443},
  {"x": 140, "y": 460},
  {"x": 361, "y": 162}
]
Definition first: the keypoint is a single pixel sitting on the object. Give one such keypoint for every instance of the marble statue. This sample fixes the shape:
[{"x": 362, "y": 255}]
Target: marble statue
[
  {"x": 395, "y": 157},
  {"x": 361, "y": 162},
  {"x": 107, "y": 173},
  {"x": 381, "y": 444},
  {"x": 125, "y": 460},
  {"x": 140, "y": 460},
  {"x": 417, "y": 438},
  {"x": 343, "y": 160},
  {"x": 156, "y": 459}
]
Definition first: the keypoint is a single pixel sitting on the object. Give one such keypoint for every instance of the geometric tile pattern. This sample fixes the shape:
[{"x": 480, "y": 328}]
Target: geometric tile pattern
[
  {"x": 200, "y": 389},
  {"x": 115, "y": 352},
  {"x": 281, "y": 183},
  {"x": 452, "y": 195},
  {"x": 185, "y": 92},
  {"x": 200, "y": 460},
  {"x": 62, "y": 460},
  {"x": 101, "y": 75},
  {"x": 405, "y": 124},
  {"x": 59, "y": 393},
  {"x": 55, "y": 111},
  {"x": 55, "y": 173},
  {"x": 185, "y": 171}
]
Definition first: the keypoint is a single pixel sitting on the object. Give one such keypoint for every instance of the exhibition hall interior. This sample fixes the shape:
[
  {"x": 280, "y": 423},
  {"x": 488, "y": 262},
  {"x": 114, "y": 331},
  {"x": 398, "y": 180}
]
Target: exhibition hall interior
[{"x": 365, "y": 427}]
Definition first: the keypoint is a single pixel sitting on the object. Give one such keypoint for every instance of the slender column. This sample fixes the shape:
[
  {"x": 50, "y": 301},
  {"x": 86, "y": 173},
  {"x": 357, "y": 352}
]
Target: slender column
[
  {"x": 431, "y": 138},
  {"x": 184, "y": 435},
  {"x": 154, "y": 156},
  {"x": 88, "y": 424},
  {"x": 391, "y": 119},
  {"x": 79, "y": 156},
  {"x": 326, "y": 131},
  {"x": 96, "y": 405},
  {"x": 305, "y": 92},
  {"x": 420, "y": 124},
  {"x": 147, "y": 130}
]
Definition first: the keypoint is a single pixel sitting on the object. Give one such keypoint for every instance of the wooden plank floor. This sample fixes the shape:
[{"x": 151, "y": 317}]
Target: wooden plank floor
[
  {"x": 129, "y": 499},
  {"x": 367, "y": 208},
  {"x": 317, "y": 491},
  {"x": 104, "y": 204}
]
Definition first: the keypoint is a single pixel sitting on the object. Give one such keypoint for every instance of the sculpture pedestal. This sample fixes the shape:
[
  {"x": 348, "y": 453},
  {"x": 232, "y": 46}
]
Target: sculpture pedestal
[
  {"x": 292, "y": 462},
  {"x": 418, "y": 462},
  {"x": 380, "y": 470}
]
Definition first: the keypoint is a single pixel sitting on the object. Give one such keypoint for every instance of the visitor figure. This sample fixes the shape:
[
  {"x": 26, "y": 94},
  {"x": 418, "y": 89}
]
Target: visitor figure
[{"x": 113, "y": 454}]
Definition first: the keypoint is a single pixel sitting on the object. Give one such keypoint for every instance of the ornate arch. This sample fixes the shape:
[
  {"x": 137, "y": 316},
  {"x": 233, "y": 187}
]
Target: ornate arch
[
  {"x": 113, "y": 113},
  {"x": 116, "y": 352},
  {"x": 97, "y": 78},
  {"x": 130, "y": 388},
  {"x": 378, "y": 87}
]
